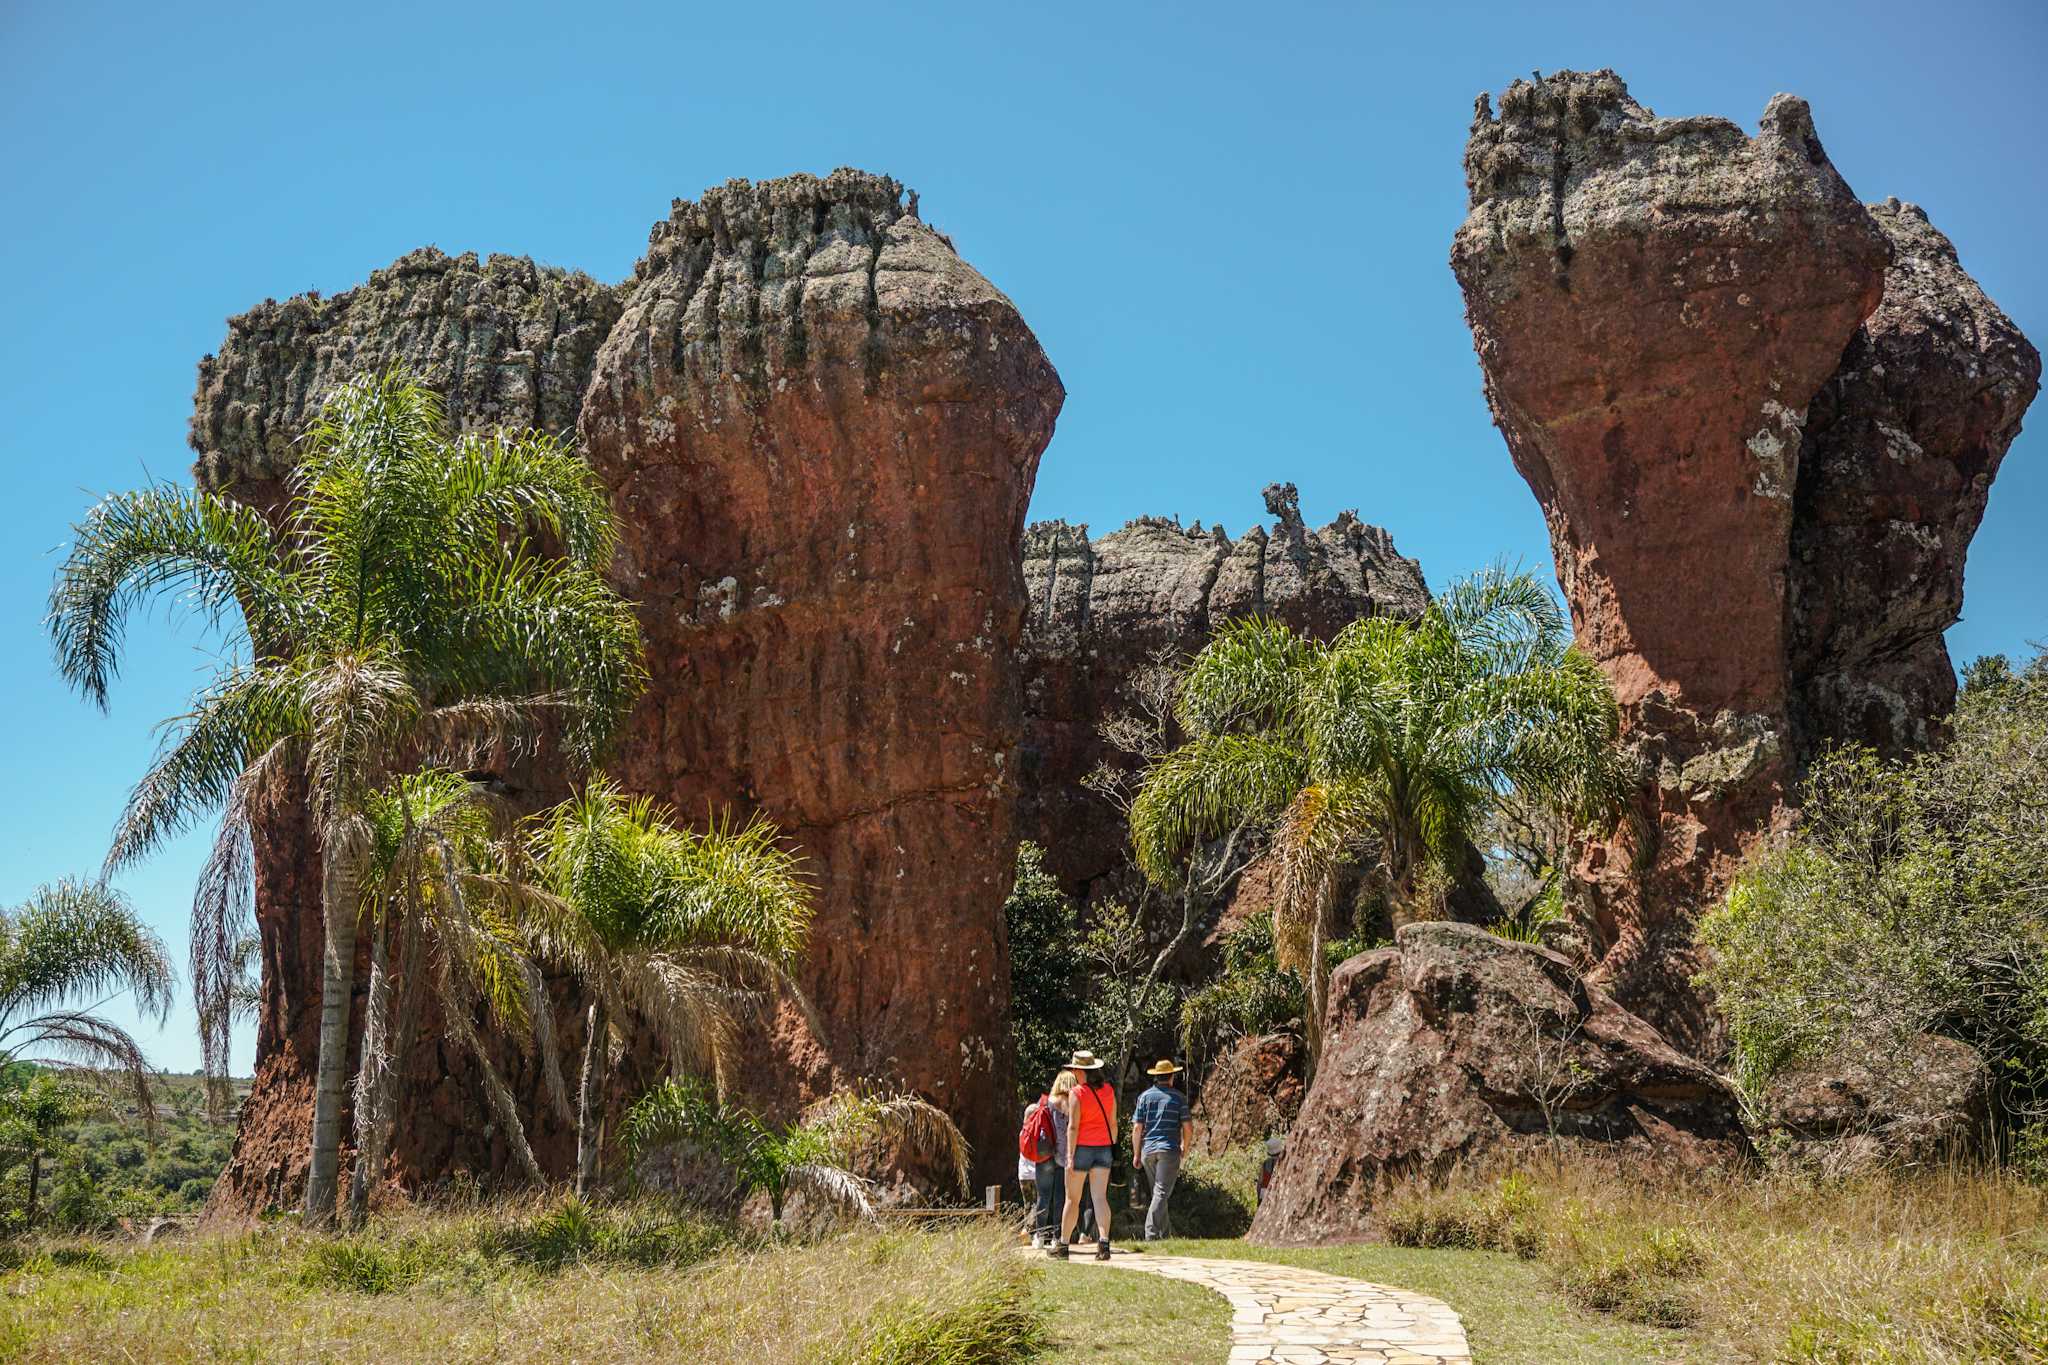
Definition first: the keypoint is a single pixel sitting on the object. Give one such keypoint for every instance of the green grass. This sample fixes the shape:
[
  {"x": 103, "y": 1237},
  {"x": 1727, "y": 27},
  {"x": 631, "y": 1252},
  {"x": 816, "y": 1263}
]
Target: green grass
[
  {"x": 1099, "y": 1314},
  {"x": 1514, "y": 1314},
  {"x": 529, "y": 1283}
]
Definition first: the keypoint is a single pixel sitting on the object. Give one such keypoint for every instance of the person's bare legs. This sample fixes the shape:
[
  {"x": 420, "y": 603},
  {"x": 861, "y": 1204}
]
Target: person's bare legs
[
  {"x": 1077, "y": 1181},
  {"x": 1098, "y": 1184}
]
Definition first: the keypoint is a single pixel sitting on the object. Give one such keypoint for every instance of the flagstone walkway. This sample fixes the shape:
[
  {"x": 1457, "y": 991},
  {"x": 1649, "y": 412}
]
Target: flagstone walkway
[{"x": 1284, "y": 1315}]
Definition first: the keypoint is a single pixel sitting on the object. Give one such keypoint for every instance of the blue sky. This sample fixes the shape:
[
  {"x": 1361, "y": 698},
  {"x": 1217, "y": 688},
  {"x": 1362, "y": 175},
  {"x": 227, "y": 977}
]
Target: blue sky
[{"x": 1228, "y": 225}]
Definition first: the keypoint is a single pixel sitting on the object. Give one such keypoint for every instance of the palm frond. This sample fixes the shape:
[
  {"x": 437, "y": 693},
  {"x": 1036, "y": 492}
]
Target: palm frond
[
  {"x": 833, "y": 1185},
  {"x": 237, "y": 720},
  {"x": 208, "y": 552},
  {"x": 1207, "y": 787},
  {"x": 76, "y": 938},
  {"x": 1251, "y": 675}
]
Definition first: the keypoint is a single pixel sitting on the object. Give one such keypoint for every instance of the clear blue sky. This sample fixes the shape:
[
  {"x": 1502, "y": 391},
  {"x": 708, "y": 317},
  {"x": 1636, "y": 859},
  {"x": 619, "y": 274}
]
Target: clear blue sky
[{"x": 1228, "y": 225}]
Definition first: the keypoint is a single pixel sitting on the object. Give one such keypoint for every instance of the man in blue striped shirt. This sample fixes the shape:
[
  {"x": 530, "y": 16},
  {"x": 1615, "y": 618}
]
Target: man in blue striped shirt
[{"x": 1159, "y": 1129}]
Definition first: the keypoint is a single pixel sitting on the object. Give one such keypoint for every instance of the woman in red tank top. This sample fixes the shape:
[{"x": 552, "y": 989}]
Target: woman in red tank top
[{"x": 1091, "y": 1148}]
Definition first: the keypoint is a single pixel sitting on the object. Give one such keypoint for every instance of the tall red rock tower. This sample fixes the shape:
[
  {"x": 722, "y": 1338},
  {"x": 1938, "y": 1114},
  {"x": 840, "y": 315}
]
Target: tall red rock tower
[
  {"x": 821, "y": 428},
  {"x": 1670, "y": 316}
]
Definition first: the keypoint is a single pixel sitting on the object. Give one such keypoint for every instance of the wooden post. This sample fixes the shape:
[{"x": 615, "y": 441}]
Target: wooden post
[{"x": 992, "y": 1198}]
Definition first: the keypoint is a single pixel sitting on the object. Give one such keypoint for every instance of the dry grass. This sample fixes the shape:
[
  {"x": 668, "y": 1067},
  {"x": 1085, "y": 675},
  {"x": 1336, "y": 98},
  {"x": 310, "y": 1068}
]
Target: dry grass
[
  {"x": 523, "y": 1286},
  {"x": 1943, "y": 1267}
]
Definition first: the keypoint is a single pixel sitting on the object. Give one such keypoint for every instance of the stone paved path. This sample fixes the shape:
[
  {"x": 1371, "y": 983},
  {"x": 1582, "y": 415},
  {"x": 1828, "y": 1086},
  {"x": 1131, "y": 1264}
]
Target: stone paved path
[{"x": 1284, "y": 1315}]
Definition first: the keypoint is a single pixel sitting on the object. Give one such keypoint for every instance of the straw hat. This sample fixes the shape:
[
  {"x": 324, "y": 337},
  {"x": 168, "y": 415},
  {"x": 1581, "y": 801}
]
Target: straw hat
[
  {"x": 1163, "y": 1067},
  {"x": 1084, "y": 1060}
]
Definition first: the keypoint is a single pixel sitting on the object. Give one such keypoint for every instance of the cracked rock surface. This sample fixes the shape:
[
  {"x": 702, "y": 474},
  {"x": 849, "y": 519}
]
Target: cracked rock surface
[{"x": 1761, "y": 420}]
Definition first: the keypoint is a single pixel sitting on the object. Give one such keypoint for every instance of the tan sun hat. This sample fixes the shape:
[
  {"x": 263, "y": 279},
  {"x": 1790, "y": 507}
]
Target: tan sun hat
[
  {"x": 1084, "y": 1060},
  {"x": 1163, "y": 1067}
]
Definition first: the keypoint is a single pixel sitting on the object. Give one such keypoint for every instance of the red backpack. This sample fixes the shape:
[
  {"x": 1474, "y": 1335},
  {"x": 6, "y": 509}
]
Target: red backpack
[{"x": 1036, "y": 1137}]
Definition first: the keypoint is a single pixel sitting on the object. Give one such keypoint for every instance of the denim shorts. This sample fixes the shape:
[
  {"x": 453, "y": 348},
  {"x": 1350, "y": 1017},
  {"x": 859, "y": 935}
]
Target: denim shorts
[{"x": 1088, "y": 1158}]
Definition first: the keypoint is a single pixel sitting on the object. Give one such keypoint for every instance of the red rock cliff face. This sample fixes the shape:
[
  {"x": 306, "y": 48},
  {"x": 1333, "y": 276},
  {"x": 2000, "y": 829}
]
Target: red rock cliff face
[
  {"x": 1661, "y": 309},
  {"x": 821, "y": 427}
]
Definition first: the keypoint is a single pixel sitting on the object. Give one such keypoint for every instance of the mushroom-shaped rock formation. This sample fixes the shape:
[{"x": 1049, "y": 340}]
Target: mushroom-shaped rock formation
[
  {"x": 1756, "y": 541},
  {"x": 821, "y": 427}
]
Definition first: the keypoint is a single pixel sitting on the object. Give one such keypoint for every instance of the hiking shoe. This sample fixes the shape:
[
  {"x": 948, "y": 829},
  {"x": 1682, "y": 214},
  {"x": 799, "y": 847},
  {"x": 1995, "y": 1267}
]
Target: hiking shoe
[
  {"x": 1102, "y": 1251},
  {"x": 1057, "y": 1251}
]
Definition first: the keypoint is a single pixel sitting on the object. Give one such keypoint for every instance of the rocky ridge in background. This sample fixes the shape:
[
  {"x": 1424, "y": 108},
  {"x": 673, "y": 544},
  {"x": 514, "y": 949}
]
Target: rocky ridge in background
[
  {"x": 1761, "y": 420},
  {"x": 1103, "y": 610},
  {"x": 821, "y": 428}
]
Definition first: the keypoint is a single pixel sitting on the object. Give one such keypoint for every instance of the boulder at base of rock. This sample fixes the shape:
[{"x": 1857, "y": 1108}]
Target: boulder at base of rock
[
  {"x": 1253, "y": 1091},
  {"x": 1873, "y": 1103},
  {"x": 1460, "y": 1047}
]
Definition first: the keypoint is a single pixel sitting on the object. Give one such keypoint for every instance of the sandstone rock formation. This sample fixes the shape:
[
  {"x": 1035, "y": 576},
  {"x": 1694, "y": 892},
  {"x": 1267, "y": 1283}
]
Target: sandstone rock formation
[
  {"x": 1459, "y": 1047},
  {"x": 1103, "y": 610},
  {"x": 1900, "y": 450},
  {"x": 1759, "y": 503},
  {"x": 821, "y": 429}
]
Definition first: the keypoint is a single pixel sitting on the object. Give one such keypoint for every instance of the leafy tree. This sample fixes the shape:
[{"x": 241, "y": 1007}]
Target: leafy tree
[
  {"x": 403, "y": 615},
  {"x": 33, "y": 1116},
  {"x": 1045, "y": 996},
  {"x": 1914, "y": 898},
  {"x": 73, "y": 941},
  {"x": 811, "y": 1156},
  {"x": 1392, "y": 741},
  {"x": 676, "y": 929}
]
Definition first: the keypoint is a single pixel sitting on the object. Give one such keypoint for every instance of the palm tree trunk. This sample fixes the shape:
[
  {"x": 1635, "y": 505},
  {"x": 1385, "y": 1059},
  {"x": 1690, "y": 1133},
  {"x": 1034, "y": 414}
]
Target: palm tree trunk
[
  {"x": 337, "y": 992},
  {"x": 35, "y": 1182},
  {"x": 373, "y": 1078},
  {"x": 588, "y": 1136}
]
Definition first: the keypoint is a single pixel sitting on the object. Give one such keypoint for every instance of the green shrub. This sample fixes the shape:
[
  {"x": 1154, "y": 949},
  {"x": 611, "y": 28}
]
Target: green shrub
[
  {"x": 363, "y": 1267},
  {"x": 1216, "y": 1196},
  {"x": 996, "y": 1325},
  {"x": 1914, "y": 899},
  {"x": 1501, "y": 1217}
]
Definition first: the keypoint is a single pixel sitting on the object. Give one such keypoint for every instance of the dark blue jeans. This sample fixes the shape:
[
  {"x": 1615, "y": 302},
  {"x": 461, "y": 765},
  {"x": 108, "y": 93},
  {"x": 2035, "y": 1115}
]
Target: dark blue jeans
[{"x": 1052, "y": 1191}]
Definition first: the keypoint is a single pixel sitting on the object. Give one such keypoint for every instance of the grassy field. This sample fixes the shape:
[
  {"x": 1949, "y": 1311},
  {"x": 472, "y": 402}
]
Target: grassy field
[
  {"x": 552, "y": 1284},
  {"x": 1103, "y": 1316},
  {"x": 1560, "y": 1267}
]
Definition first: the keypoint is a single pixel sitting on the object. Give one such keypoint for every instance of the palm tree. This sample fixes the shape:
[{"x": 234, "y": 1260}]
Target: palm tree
[
  {"x": 810, "y": 1156},
  {"x": 676, "y": 929},
  {"x": 401, "y": 614},
  {"x": 443, "y": 898},
  {"x": 73, "y": 941},
  {"x": 1393, "y": 739}
]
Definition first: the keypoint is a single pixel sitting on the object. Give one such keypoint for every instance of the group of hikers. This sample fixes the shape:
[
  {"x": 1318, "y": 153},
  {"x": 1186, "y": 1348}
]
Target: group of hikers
[{"x": 1068, "y": 1144}]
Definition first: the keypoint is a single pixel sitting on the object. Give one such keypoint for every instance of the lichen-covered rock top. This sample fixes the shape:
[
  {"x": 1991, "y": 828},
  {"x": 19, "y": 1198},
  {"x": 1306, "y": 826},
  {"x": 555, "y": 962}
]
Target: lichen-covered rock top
[
  {"x": 836, "y": 279},
  {"x": 1573, "y": 155},
  {"x": 505, "y": 341}
]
